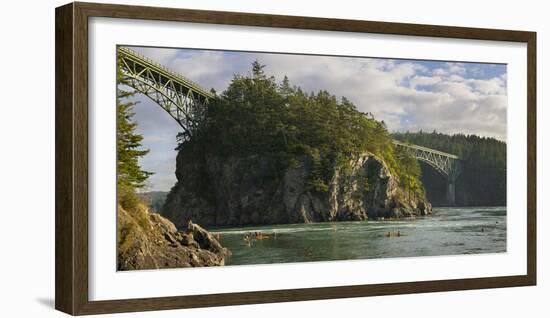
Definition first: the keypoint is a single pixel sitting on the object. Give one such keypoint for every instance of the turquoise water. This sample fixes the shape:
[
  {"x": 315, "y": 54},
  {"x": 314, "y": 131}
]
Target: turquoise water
[{"x": 471, "y": 230}]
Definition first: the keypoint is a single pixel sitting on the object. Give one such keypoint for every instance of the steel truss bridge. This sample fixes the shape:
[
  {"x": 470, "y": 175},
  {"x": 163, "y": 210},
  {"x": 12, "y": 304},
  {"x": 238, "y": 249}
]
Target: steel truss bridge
[
  {"x": 187, "y": 102},
  {"x": 448, "y": 165}
]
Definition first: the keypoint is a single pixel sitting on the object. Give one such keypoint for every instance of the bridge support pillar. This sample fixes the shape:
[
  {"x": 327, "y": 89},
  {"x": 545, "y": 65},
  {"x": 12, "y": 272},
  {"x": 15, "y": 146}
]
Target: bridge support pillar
[{"x": 451, "y": 193}]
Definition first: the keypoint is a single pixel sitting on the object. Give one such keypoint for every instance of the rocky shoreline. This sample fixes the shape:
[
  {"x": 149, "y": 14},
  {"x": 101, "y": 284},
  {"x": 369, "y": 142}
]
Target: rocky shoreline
[{"x": 149, "y": 241}]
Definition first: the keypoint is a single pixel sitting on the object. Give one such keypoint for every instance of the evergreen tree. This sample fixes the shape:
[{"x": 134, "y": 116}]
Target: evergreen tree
[
  {"x": 258, "y": 70},
  {"x": 284, "y": 89},
  {"x": 129, "y": 149},
  {"x": 130, "y": 176}
]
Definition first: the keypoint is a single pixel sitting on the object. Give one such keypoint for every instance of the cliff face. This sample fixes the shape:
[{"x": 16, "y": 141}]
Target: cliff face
[
  {"x": 149, "y": 241},
  {"x": 244, "y": 191}
]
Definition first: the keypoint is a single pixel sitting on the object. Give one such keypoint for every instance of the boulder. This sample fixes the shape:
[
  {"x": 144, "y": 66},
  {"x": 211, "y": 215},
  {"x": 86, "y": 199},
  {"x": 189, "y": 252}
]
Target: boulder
[
  {"x": 149, "y": 241},
  {"x": 206, "y": 240}
]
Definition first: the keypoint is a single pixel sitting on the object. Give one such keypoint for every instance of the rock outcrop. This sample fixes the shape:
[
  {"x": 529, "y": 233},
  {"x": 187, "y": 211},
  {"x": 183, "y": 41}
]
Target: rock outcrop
[
  {"x": 245, "y": 191},
  {"x": 150, "y": 241}
]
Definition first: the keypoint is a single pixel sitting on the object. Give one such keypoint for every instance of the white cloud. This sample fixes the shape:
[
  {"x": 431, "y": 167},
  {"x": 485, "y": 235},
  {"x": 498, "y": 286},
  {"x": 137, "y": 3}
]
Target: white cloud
[
  {"x": 455, "y": 78},
  {"x": 424, "y": 81},
  {"x": 159, "y": 55},
  {"x": 493, "y": 86},
  {"x": 440, "y": 72},
  {"x": 456, "y": 68}
]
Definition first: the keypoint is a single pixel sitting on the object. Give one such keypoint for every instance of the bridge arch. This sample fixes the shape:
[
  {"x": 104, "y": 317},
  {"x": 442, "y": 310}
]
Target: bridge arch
[{"x": 183, "y": 99}]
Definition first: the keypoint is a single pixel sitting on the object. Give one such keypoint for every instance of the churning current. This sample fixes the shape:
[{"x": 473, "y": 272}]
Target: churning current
[{"x": 450, "y": 231}]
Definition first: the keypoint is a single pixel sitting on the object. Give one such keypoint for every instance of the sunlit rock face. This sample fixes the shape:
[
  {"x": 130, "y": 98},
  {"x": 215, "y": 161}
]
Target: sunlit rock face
[{"x": 247, "y": 191}]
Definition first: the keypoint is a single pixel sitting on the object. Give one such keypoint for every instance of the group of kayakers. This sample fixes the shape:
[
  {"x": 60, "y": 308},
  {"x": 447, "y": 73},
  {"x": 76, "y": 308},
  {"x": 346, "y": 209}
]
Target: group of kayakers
[
  {"x": 256, "y": 235},
  {"x": 396, "y": 234}
]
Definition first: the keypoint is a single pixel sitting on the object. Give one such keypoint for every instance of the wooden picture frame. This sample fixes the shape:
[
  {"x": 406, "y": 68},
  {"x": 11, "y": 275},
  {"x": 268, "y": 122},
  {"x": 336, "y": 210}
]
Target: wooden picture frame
[{"x": 71, "y": 122}]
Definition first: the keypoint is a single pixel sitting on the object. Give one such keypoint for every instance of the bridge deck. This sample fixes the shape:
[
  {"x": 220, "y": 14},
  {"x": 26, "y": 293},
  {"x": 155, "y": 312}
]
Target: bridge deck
[{"x": 404, "y": 144}]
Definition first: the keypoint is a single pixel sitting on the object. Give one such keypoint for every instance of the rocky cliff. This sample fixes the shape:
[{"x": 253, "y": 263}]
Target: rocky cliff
[
  {"x": 149, "y": 241},
  {"x": 245, "y": 191}
]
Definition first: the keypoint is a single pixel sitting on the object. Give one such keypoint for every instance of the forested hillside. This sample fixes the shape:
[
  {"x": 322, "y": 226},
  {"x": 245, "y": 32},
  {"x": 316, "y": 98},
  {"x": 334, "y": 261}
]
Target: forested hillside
[{"x": 483, "y": 178}]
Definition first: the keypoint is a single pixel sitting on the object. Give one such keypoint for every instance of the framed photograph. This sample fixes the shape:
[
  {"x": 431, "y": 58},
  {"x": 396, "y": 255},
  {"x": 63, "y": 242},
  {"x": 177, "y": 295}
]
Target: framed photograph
[{"x": 210, "y": 158}]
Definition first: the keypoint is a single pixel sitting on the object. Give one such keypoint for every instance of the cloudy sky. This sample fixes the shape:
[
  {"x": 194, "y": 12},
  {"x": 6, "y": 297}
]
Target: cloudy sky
[{"x": 408, "y": 95}]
